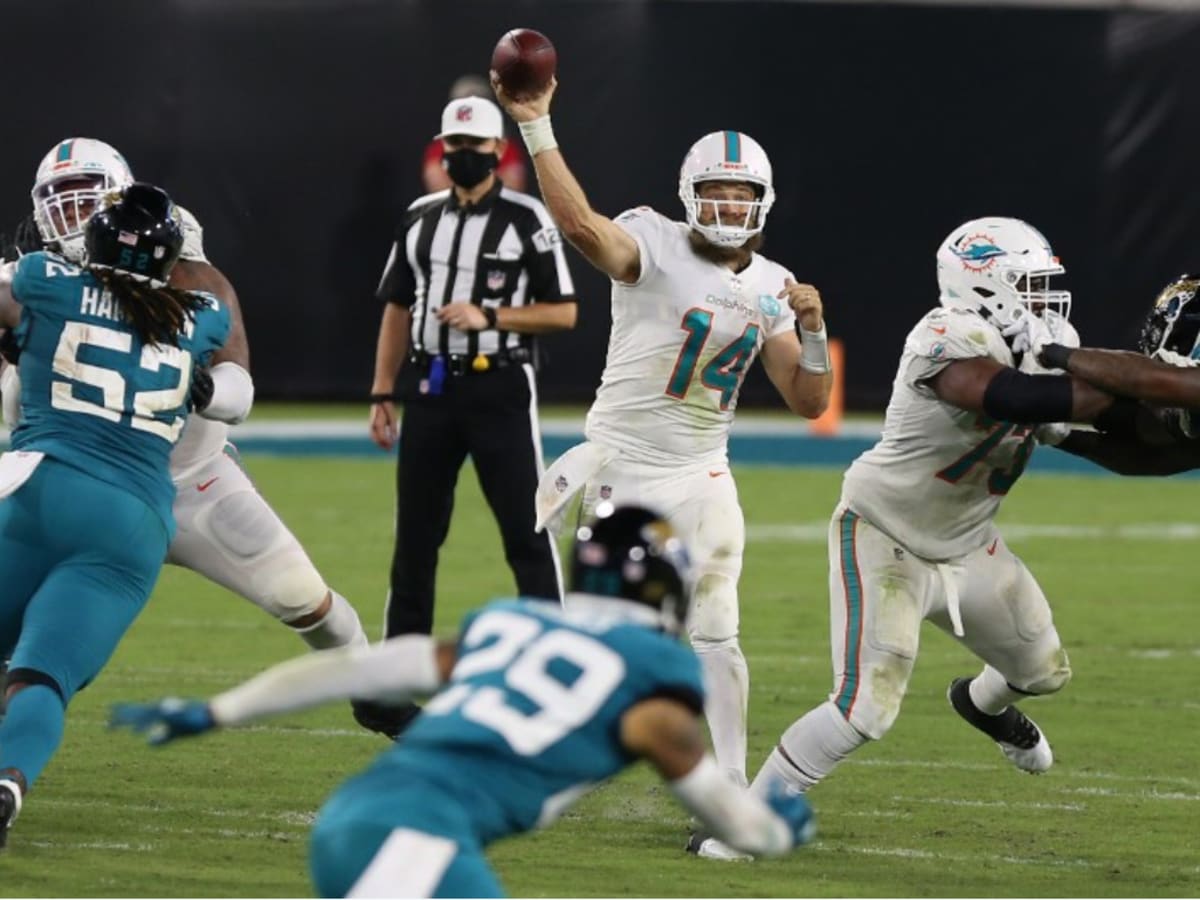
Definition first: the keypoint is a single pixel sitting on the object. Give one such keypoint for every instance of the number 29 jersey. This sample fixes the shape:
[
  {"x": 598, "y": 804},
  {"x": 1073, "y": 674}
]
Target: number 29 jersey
[
  {"x": 937, "y": 476},
  {"x": 683, "y": 336},
  {"x": 531, "y": 717},
  {"x": 93, "y": 396}
]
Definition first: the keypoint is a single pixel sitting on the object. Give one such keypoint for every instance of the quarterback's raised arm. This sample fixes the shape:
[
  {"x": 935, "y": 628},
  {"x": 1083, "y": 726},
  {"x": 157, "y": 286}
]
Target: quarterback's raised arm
[
  {"x": 797, "y": 362},
  {"x": 605, "y": 244},
  {"x": 392, "y": 671},
  {"x": 667, "y": 734}
]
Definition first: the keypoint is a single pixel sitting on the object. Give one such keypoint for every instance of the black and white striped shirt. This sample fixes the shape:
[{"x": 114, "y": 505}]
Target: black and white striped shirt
[{"x": 503, "y": 251}]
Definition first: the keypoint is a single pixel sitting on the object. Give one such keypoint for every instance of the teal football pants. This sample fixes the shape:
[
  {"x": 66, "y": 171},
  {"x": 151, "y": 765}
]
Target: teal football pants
[{"x": 78, "y": 560}]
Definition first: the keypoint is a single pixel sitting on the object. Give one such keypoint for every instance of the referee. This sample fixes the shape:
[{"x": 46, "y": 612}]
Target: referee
[{"x": 475, "y": 273}]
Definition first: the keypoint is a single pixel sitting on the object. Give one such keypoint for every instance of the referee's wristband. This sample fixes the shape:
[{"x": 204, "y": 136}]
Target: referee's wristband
[
  {"x": 814, "y": 350},
  {"x": 489, "y": 313},
  {"x": 538, "y": 135},
  {"x": 382, "y": 397}
]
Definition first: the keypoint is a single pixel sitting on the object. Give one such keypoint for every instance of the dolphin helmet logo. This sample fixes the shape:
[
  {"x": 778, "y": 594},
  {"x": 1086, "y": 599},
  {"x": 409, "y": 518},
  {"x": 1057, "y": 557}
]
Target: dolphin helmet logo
[{"x": 978, "y": 252}]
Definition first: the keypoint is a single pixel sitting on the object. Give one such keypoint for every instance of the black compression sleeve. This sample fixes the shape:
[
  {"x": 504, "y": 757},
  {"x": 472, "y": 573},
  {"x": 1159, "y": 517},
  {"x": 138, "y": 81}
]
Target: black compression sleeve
[{"x": 1013, "y": 396}]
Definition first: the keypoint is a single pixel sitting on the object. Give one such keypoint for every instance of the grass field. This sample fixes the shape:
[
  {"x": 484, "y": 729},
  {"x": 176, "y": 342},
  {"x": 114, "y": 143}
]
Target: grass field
[{"x": 933, "y": 810}]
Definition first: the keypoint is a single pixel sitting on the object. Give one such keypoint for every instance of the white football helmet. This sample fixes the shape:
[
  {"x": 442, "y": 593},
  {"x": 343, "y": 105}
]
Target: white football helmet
[
  {"x": 727, "y": 156},
  {"x": 1002, "y": 267},
  {"x": 70, "y": 183}
]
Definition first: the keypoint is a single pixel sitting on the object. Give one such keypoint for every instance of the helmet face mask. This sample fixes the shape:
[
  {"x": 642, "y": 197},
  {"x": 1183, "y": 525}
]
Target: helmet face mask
[
  {"x": 71, "y": 181},
  {"x": 1003, "y": 268},
  {"x": 726, "y": 156},
  {"x": 632, "y": 555}
]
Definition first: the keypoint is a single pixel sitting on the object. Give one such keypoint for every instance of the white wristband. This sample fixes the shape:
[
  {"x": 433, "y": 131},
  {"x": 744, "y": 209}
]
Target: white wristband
[
  {"x": 814, "y": 348},
  {"x": 538, "y": 135}
]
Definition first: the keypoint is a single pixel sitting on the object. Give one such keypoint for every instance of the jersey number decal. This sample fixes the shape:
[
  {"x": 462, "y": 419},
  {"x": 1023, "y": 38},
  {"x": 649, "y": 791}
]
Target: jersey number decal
[
  {"x": 1001, "y": 480},
  {"x": 111, "y": 383},
  {"x": 593, "y": 671},
  {"x": 724, "y": 371}
]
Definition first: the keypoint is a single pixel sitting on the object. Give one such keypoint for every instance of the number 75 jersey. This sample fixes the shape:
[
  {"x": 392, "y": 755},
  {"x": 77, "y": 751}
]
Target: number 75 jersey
[
  {"x": 93, "y": 395},
  {"x": 683, "y": 337},
  {"x": 531, "y": 717},
  {"x": 937, "y": 476}
]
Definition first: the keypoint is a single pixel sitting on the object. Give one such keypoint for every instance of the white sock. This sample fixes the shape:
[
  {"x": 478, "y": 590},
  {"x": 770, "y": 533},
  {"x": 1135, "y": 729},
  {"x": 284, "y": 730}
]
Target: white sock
[
  {"x": 727, "y": 684},
  {"x": 809, "y": 750},
  {"x": 990, "y": 692},
  {"x": 339, "y": 628}
]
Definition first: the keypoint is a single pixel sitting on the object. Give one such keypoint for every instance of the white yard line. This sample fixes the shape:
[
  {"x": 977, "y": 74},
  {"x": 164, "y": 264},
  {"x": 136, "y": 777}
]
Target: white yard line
[
  {"x": 816, "y": 532},
  {"x": 987, "y": 804},
  {"x": 972, "y": 859},
  {"x": 1057, "y": 772}
]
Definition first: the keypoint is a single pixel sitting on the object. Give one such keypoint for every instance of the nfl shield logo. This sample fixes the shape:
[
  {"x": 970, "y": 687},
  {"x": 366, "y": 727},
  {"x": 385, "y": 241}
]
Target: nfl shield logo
[
  {"x": 605, "y": 491},
  {"x": 560, "y": 483},
  {"x": 495, "y": 279}
]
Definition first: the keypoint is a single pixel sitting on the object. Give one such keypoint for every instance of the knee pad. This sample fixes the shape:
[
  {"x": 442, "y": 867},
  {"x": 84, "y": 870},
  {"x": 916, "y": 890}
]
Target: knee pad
[
  {"x": 1056, "y": 676},
  {"x": 714, "y": 612},
  {"x": 277, "y": 574}
]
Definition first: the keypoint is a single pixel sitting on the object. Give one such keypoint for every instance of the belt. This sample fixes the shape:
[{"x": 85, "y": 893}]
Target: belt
[{"x": 464, "y": 364}]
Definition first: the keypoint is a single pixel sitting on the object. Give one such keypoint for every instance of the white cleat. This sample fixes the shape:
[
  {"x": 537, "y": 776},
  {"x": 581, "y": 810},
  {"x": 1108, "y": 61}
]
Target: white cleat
[
  {"x": 711, "y": 848},
  {"x": 1036, "y": 759}
]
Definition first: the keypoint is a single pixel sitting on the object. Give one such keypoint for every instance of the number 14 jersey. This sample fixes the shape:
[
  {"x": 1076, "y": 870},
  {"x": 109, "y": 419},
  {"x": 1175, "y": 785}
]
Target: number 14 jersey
[
  {"x": 683, "y": 336},
  {"x": 937, "y": 476}
]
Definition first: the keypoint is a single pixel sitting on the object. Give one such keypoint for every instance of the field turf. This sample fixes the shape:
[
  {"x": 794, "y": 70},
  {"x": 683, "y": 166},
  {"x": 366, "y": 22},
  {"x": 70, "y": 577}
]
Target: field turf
[{"x": 933, "y": 810}]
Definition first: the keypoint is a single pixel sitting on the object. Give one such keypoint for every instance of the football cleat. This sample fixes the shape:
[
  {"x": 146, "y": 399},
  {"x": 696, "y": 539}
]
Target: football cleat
[
  {"x": 390, "y": 721},
  {"x": 706, "y": 846},
  {"x": 10, "y": 805},
  {"x": 1015, "y": 733}
]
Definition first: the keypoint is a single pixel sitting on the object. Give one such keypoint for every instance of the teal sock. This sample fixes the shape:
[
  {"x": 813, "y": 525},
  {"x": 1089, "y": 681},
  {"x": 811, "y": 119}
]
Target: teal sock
[{"x": 31, "y": 731}]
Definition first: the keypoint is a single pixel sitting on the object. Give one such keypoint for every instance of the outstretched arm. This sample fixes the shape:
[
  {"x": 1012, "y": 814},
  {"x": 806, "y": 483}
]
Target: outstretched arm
[
  {"x": 667, "y": 734},
  {"x": 983, "y": 385},
  {"x": 1128, "y": 374},
  {"x": 391, "y": 672},
  {"x": 605, "y": 244}
]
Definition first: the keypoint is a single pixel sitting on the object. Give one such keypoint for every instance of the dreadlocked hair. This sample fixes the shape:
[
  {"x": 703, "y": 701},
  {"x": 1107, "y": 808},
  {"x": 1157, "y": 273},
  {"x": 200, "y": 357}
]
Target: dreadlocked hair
[{"x": 157, "y": 314}]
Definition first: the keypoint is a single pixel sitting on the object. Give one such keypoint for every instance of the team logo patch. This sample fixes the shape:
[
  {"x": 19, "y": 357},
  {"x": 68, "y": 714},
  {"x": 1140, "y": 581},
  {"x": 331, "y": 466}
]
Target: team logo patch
[
  {"x": 605, "y": 491},
  {"x": 464, "y": 113},
  {"x": 768, "y": 304},
  {"x": 978, "y": 252},
  {"x": 560, "y": 483},
  {"x": 496, "y": 279},
  {"x": 936, "y": 351}
]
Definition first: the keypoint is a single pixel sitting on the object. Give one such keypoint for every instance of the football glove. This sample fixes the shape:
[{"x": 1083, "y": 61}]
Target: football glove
[
  {"x": 795, "y": 810},
  {"x": 164, "y": 720},
  {"x": 202, "y": 389}
]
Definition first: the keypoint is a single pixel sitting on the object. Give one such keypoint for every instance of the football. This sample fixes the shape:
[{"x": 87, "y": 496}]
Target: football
[{"x": 524, "y": 60}]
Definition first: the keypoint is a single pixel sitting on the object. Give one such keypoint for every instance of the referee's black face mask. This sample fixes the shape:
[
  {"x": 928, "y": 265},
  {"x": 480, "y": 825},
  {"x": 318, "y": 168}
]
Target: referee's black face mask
[{"x": 467, "y": 167}]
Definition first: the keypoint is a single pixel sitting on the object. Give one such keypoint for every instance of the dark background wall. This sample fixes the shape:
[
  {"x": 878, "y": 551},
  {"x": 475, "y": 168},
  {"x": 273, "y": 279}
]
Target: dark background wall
[{"x": 294, "y": 130}]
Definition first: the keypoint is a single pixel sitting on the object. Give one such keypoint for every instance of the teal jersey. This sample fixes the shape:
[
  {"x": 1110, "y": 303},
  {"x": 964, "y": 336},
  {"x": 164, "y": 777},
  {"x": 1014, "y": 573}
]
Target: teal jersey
[
  {"x": 530, "y": 719},
  {"x": 93, "y": 395}
]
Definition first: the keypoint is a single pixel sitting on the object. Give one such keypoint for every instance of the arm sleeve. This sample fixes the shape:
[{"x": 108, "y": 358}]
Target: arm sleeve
[
  {"x": 391, "y": 671},
  {"x": 736, "y": 816},
  {"x": 397, "y": 284},
  {"x": 646, "y": 227},
  {"x": 549, "y": 276}
]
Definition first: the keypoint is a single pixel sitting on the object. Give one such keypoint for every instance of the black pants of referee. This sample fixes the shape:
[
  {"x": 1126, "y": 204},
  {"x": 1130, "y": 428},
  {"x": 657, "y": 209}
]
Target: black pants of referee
[{"x": 491, "y": 417}]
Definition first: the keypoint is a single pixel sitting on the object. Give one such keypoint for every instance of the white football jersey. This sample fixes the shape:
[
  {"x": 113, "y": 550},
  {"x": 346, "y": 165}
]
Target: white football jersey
[
  {"x": 938, "y": 473},
  {"x": 682, "y": 339},
  {"x": 202, "y": 438}
]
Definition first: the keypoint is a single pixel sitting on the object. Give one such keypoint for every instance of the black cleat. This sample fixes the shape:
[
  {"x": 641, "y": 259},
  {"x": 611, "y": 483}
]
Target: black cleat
[
  {"x": 10, "y": 805},
  {"x": 1017, "y": 735},
  {"x": 390, "y": 721}
]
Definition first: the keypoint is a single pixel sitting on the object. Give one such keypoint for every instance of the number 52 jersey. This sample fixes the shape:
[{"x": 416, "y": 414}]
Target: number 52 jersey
[
  {"x": 937, "y": 476},
  {"x": 683, "y": 337},
  {"x": 93, "y": 395}
]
